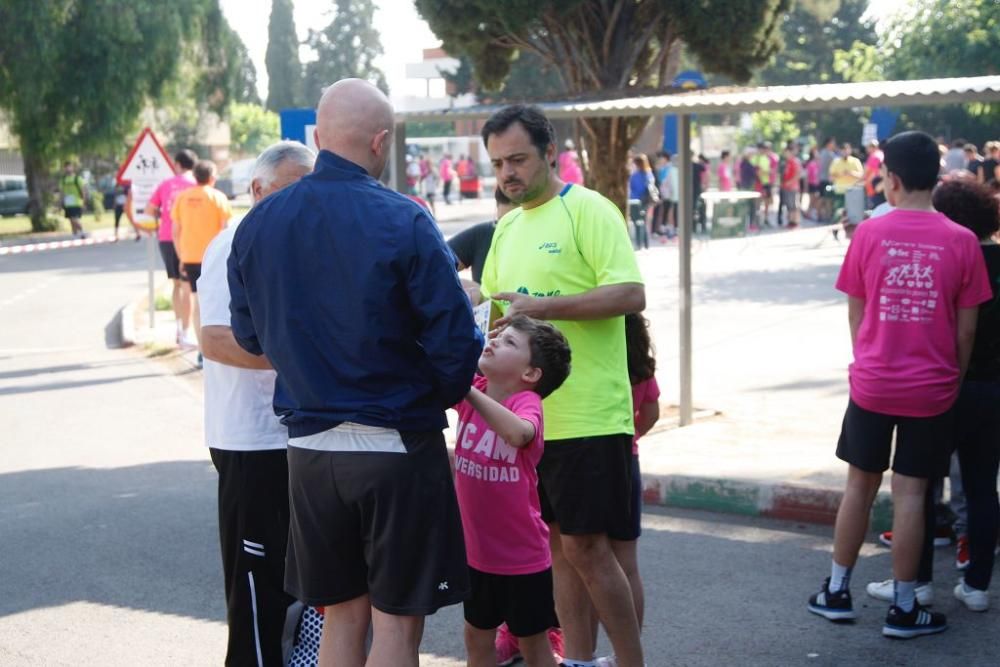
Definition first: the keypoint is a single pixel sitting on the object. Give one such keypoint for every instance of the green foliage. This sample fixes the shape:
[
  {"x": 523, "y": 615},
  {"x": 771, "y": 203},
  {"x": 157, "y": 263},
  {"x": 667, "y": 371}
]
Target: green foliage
[
  {"x": 813, "y": 31},
  {"x": 778, "y": 127},
  {"x": 607, "y": 48},
  {"x": 929, "y": 39},
  {"x": 346, "y": 48},
  {"x": 430, "y": 129},
  {"x": 75, "y": 75},
  {"x": 284, "y": 70},
  {"x": 252, "y": 128}
]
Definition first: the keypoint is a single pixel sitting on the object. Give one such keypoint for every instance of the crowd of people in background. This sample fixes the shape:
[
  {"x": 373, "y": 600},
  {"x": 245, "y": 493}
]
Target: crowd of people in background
[{"x": 803, "y": 181}]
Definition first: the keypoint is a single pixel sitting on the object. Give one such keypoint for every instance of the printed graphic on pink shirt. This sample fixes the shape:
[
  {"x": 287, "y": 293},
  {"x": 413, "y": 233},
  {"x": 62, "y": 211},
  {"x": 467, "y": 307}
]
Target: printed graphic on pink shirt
[
  {"x": 497, "y": 489},
  {"x": 908, "y": 293}
]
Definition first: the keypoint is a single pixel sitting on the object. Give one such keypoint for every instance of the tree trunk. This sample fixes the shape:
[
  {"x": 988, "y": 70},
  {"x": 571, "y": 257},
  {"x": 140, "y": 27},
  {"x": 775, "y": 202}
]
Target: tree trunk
[
  {"x": 609, "y": 141},
  {"x": 37, "y": 177}
]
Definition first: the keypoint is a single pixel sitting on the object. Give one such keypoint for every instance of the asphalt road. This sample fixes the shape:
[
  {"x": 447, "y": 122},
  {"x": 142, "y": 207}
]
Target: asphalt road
[{"x": 108, "y": 536}]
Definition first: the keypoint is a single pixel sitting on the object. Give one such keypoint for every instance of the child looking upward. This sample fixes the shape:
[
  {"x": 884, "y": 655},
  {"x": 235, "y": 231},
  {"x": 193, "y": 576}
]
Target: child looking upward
[{"x": 500, "y": 441}]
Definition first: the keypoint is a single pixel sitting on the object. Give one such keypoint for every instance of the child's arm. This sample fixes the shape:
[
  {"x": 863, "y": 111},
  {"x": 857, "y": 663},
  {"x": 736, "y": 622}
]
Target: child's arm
[
  {"x": 515, "y": 431},
  {"x": 966, "y": 337},
  {"x": 649, "y": 414}
]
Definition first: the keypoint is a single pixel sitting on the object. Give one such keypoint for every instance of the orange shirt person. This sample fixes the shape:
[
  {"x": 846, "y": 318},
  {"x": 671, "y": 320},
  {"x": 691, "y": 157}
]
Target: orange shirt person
[{"x": 199, "y": 214}]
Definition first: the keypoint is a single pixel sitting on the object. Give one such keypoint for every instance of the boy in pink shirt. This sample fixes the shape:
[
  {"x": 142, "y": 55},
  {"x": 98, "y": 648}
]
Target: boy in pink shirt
[
  {"x": 914, "y": 281},
  {"x": 499, "y": 443}
]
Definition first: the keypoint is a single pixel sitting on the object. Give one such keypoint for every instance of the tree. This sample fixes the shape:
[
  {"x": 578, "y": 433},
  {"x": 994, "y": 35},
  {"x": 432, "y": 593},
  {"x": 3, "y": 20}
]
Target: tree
[
  {"x": 813, "y": 32},
  {"x": 346, "y": 48},
  {"x": 252, "y": 128},
  {"x": 75, "y": 75},
  {"x": 609, "y": 47},
  {"x": 936, "y": 38},
  {"x": 284, "y": 70}
]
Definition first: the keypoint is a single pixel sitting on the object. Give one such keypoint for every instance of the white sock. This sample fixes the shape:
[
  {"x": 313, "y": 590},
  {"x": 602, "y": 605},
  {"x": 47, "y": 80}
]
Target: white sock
[
  {"x": 840, "y": 577},
  {"x": 904, "y": 594}
]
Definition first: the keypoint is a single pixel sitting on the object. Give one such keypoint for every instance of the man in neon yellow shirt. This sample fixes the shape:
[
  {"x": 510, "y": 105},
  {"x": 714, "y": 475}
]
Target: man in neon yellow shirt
[
  {"x": 565, "y": 256},
  {"x": 74, "y": 196}
]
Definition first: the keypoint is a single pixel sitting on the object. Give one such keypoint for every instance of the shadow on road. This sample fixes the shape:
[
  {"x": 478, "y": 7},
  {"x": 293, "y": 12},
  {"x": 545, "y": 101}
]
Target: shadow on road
[
  {"x": 784, "y": 286},
  {"x": 142, "y": 537}
]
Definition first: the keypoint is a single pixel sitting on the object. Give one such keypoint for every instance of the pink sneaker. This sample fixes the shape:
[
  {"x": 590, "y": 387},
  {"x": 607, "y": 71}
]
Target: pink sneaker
[
  {"x": 507, "y": 647},
  {"x": 556, "y": 642}
]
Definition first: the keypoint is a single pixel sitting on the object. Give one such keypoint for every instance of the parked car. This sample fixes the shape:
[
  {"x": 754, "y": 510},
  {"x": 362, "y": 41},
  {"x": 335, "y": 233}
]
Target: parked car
[
  {"x": 235, "y": 179},
  {"x": 13, "y": 195}
]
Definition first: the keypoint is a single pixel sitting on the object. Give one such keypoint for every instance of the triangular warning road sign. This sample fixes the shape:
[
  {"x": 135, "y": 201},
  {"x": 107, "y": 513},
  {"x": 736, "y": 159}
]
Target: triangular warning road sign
[{"x": 146, "y": 161}]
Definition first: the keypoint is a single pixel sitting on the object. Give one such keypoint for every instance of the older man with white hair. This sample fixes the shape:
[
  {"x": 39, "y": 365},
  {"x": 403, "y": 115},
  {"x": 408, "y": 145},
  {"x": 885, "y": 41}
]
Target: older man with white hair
[
  {"x": 248, "y": 445},
  {"x": 350, "y": 291}
]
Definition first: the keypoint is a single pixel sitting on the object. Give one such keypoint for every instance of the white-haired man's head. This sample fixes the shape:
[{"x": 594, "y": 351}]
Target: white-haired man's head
[{"x": 280, "y": 165}]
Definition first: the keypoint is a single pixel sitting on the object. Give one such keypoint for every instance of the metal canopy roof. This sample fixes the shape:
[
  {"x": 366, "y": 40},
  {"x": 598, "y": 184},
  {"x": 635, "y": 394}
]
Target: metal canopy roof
[{"x": 725, "y": 100}]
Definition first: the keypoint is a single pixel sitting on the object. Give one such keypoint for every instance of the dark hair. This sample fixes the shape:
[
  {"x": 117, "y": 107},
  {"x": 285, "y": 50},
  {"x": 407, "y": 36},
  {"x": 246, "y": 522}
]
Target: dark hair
[
  {"x": 500, "y": 197},
  {"x": 913, "y": 157},
  {"x": 639, "y": 348},
  {"x": 829, "y": 139},
  {"x": 531, "y": 118},
  {"x": 186, "y": 158},
  {"x": 641, "y": 162},
  {"x": 204, "y": 171},
  {"x": 724, "y": 155},
  {"x": 549, "y": 352},
  {"x": 958, "y": 143},
  {"x": 971, "y": 204}
]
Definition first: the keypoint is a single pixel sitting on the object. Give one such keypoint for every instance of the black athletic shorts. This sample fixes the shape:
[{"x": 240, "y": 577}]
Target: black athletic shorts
[
  {"x": 73, "y": 212},
  {"x": 523, "y": 601},
  {"x": 815, "y": 189},
  {"x": 923, "y": 444},
  {"x": 191, "y": 274},
  {"x": 170, "y": 261},
  {"x": 765, "y": 191},
  {"x": 585, "y": 485},
  {"x": 635, "y": 505},
  {"x": 376, "y": 523}
]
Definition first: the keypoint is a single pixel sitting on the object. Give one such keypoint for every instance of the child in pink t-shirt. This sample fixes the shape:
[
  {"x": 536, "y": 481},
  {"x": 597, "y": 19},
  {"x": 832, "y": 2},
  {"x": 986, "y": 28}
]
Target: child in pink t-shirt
[
  {"x": 914, "y": 281},
  {"x": 499, "y": 442}
]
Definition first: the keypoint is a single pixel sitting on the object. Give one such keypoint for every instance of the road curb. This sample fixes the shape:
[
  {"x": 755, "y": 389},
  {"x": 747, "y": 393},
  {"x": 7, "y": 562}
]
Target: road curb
[{"x": 756, "y": 498}]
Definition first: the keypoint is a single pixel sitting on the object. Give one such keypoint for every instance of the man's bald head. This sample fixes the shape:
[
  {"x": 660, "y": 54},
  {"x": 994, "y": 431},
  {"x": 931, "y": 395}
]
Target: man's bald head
[{"x": 354, "y": 120}]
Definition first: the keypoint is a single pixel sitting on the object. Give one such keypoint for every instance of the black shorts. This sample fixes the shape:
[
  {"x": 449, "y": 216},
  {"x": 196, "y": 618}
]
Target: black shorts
[
  {"x": 191, "y": 274},
  {"x": 635, "y": 505},
  {"x": 585, "y": 485},
  {"x": 523, "y": 601},
  {"x": 815, "y": 188},
  {"x": 382, "y": 524},
  {"x": 73, "y": 212},
  {"x": 765, "y": 191},
  {"x": 923, "y": 444},
  {"x": 170, "y": 261}
]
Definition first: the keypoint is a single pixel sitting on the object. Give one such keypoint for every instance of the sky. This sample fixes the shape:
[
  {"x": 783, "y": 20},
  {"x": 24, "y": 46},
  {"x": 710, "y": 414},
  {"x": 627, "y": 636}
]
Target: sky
[{"x": 404, "y": 34}]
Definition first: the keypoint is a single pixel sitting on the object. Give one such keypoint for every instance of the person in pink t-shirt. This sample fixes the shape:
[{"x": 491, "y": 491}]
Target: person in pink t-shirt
[
  {"x": 914, "y": 281},
  {"x": 500, "y": 439},
  {"x": 725, "y": 171},
  {"x": 160, "y": 205}
]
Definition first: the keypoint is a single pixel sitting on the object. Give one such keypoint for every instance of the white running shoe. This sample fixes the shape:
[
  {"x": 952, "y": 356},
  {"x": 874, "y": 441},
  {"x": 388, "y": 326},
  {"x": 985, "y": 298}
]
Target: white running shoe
[
  {"x": 883, "y": 590},
  {"x": 973, "y": 598}
]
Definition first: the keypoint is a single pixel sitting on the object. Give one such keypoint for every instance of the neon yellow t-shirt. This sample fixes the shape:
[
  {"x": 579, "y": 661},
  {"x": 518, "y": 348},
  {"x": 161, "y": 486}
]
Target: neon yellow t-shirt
[{"x": 571, "y": 244}]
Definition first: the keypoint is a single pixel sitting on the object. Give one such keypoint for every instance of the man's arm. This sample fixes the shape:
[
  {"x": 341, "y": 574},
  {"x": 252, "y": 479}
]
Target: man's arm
[
  {"x": 599, "y": 303},
  {"x": 855, "y": 313},
  {"x": 243, "y": 329},
  {"x": 219, "y": 345},
  {"x": 967, "y": 318},
  {"x": 515, "y": 431}
]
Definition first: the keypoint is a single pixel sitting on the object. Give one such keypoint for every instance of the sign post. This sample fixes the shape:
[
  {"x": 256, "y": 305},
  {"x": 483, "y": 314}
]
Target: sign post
[{"x": 146, "y": 166}]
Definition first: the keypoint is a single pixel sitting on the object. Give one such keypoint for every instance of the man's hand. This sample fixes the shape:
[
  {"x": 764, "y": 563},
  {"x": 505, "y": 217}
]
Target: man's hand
[{"x": 520, "y": 304}]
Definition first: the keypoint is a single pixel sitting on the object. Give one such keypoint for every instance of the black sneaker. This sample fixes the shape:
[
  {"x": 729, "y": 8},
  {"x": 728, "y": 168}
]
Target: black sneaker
[
  {"x": 832, "y": 606},
  {"x": 918, "y": 621}
]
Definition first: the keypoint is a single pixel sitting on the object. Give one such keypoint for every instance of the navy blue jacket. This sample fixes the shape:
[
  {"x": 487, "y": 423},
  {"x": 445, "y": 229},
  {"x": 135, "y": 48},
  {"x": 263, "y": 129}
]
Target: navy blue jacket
[{"x": 351, "y": 292}]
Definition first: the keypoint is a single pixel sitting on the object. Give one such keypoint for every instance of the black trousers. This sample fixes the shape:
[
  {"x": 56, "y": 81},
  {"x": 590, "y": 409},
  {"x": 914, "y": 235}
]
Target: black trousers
[{"x": 253, "y": 533}]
